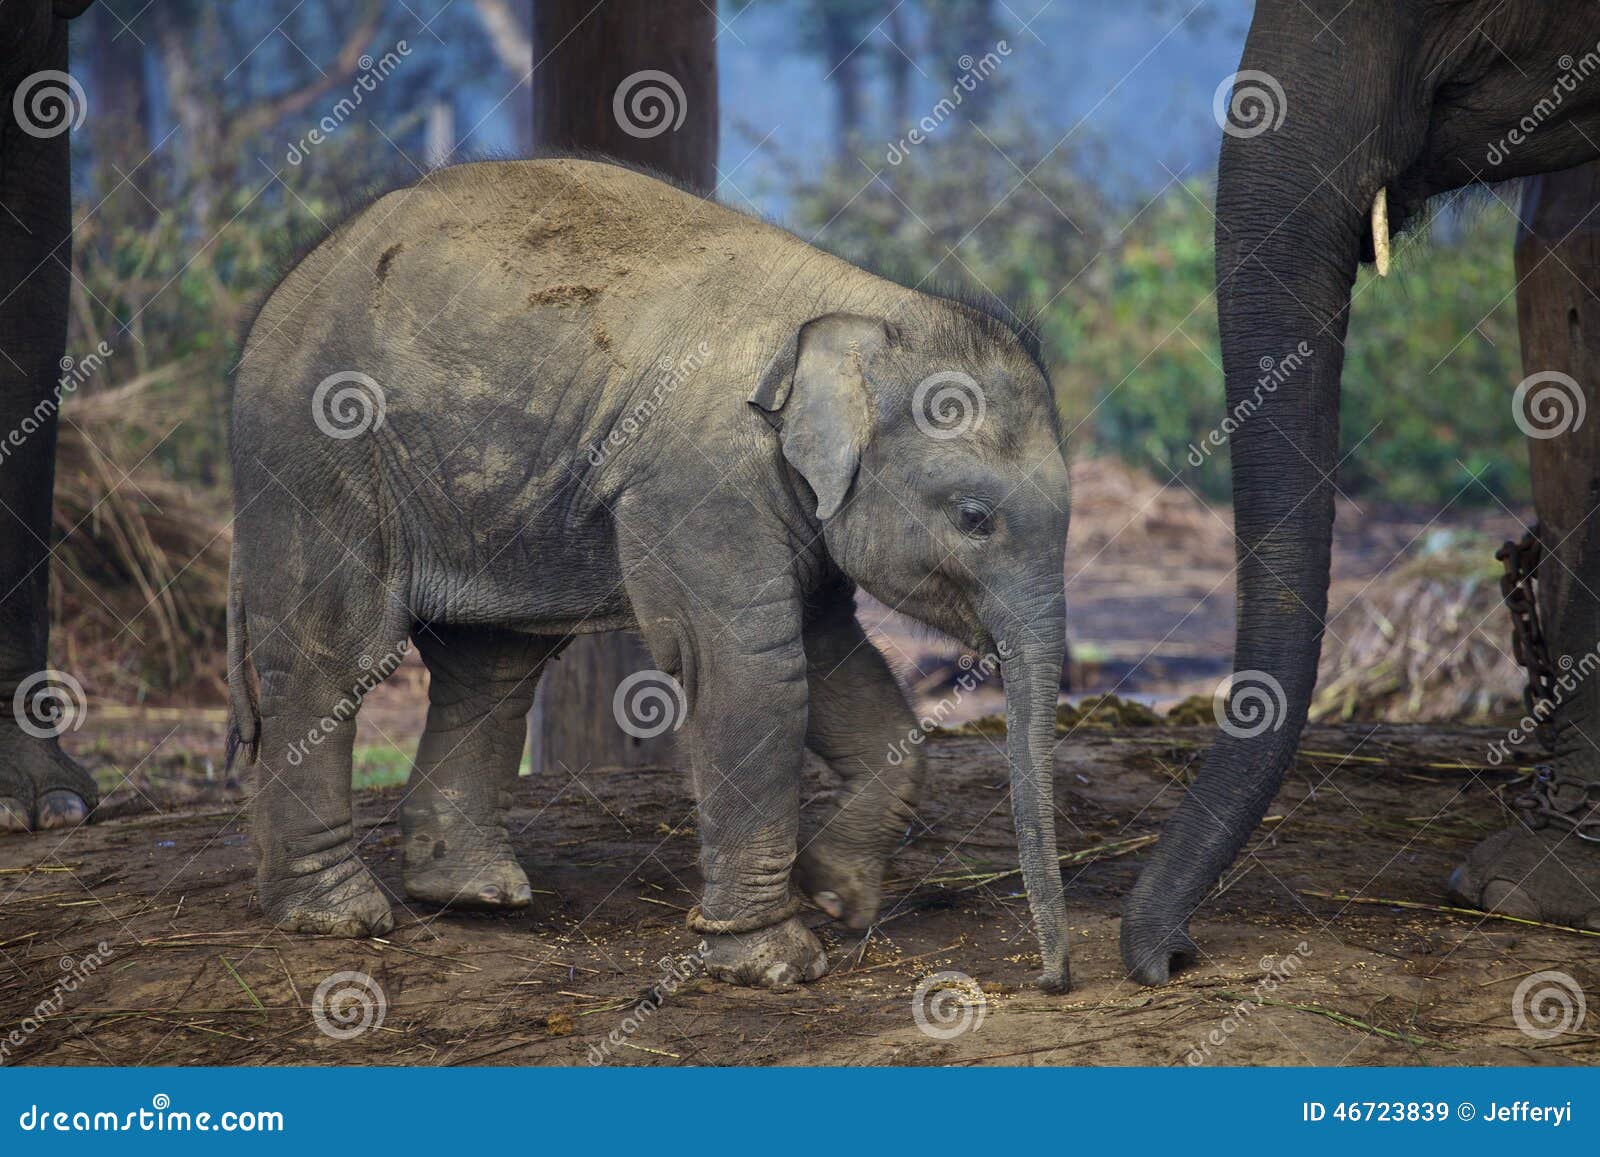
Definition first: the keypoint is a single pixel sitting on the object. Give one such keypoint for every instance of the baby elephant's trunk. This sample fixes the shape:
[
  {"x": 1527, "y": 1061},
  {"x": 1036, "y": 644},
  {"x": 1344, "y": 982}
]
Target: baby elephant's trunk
[{"x": 1030, "y": 634}]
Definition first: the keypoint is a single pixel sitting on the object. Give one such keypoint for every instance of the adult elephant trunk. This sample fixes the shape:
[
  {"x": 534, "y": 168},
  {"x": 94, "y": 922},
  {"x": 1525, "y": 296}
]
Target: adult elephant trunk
[
  {"x": 1030, "y": 633},
  {"x": 1300, "y": 167}
]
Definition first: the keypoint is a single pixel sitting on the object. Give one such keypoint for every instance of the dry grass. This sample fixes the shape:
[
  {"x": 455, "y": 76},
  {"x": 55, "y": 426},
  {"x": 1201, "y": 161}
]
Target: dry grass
[
  {"x": 139, "y": 577},
  {"x": 1426, "y": 641}
]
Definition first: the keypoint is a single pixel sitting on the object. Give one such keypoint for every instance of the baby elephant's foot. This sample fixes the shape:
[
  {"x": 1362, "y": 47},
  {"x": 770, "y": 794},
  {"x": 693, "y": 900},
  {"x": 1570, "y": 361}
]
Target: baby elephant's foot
[
  {"x": 451, "y": 863},
  {"x": 847, "y": 885},
  {"x": 471, "y": 884},
  {"x": 343, "y": 900},
  {"x": 778, "y": 957}
]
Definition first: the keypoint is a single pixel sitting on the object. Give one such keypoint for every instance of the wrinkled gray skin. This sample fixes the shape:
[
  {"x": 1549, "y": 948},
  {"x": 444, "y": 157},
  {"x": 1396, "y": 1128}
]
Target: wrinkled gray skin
[
  {"x": 514, "y": 315},
  {"x": 41, "y": 787},
  {"x": 1408, "y": 95}
]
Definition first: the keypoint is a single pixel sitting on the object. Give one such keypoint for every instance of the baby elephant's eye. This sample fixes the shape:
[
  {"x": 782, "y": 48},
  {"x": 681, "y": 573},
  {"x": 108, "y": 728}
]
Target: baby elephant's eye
[{"x": 973, "y": 519}]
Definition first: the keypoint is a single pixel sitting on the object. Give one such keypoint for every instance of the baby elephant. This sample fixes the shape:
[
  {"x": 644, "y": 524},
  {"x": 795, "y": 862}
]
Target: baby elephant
[{"x": 520, "y": 401}]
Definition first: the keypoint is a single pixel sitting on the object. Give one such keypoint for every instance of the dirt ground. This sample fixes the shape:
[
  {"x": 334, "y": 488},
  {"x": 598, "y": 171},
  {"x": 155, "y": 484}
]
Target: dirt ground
[{"x": 1372, "y": 819}]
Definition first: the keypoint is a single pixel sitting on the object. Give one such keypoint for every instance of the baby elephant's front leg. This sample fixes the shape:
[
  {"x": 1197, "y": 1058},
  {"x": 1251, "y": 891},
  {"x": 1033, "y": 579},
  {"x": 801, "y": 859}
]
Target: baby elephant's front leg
[{"x": 748, "y": 734}]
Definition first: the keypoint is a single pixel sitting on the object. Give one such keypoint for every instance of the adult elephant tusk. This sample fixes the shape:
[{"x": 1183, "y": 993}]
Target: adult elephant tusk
[{"x": 1380, "y": 231}]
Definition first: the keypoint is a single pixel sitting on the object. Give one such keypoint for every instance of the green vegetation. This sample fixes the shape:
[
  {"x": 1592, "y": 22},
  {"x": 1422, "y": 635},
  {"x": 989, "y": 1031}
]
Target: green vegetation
[{"x": 1129, "y": 320}]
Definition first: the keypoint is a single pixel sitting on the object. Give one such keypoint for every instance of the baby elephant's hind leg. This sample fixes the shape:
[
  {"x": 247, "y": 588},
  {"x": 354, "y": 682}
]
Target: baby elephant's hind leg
[
  {"x": 480, "y": 689},
  {"x": 862, "y": 726}
]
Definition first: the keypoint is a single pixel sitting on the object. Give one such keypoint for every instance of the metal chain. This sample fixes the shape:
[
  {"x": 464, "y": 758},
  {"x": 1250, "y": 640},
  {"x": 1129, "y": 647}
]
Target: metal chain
[
  {"x": 1519, "y": 587},
  {"x": 1540, "y": 809}
]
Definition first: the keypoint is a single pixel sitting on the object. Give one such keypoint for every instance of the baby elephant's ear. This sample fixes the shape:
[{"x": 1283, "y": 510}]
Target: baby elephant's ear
[{"x": 817, "y": 389}]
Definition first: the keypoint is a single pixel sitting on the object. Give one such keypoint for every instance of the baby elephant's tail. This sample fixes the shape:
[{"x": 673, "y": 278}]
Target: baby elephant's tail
[{"x": 244, "y": 724}]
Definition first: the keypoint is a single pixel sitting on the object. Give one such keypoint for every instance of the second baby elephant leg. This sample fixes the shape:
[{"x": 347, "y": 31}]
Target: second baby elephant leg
[
  {"x": 862, "y": 726},
  {"x": 480, "y": 689}
]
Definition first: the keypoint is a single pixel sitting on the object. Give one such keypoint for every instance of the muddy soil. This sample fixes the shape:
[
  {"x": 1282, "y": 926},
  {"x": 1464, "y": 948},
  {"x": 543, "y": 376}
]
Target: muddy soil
[{"x": 1323, "y": 947}]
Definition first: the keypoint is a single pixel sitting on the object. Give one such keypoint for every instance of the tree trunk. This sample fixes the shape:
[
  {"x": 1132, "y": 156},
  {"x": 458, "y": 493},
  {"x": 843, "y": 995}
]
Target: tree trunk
[
  {"x": 897, "y": 62},
  {"x": 589, "y": 95},
  {"x": 1558, "y": 258},
  {"x": 597, "y": 84},
  {"x": 509, "y": 25},
  {"x": 119, "y": 130},
  {"x": 198, "y": 113},
  {"x": 842, "y": 49},
  {"x": 964, "y": 31}
]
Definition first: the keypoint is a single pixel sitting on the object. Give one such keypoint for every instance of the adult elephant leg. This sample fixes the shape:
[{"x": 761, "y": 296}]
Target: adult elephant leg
[
  {"x": 862, "y": 726},
  {"x": 40, "y": 787},
  {"x": 1551, "y": 873}
]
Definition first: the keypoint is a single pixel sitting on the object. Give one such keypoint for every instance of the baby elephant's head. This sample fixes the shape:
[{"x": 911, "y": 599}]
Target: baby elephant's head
[{"x": 934, "y": 455}]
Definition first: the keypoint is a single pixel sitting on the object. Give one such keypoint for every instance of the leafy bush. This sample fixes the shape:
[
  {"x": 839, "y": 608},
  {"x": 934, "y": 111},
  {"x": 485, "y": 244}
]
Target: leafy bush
[{"x": 1129, "y": 316}]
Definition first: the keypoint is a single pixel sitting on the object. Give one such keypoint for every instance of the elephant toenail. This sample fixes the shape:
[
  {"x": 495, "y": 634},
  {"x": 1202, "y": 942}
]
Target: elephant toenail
[
  {"x": 782, "y": 975},
  {"x": 523, "y": 894},
  {"x": 830, "y": 903},
  {"x": 13, "y": 816},
  {"x": 60, "y": 809},
  {"x": 1508, "y": 899},
  {"x": 490, "y": 894}
]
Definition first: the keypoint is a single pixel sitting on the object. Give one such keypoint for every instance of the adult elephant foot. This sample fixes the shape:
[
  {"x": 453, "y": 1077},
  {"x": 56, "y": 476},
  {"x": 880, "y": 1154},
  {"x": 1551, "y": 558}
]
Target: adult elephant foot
[
  {"x": 41, "y": 787},
  {"x": 1552, "y": 875},
  {"x": 780, "y": 956}
]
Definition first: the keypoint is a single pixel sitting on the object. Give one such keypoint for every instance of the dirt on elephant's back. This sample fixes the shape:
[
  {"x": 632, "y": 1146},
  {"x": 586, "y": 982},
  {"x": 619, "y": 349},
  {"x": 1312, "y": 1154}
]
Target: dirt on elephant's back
[{"x": 1325, "y": 946}]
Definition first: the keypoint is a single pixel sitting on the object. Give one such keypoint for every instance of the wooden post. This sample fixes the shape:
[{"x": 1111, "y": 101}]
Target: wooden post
[
  {"x": 656, "y": 65},
  {"x": 1558, "y": 270}
]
